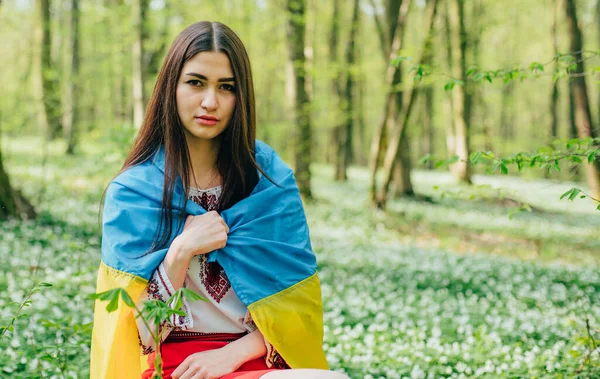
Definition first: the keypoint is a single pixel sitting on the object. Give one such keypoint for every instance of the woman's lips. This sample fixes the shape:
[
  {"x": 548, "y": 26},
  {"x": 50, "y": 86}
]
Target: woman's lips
[{"x": 205, "y": 120}]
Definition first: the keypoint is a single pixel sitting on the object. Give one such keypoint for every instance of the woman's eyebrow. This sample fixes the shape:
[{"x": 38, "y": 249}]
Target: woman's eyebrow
[{"x": 200, "y": 76}]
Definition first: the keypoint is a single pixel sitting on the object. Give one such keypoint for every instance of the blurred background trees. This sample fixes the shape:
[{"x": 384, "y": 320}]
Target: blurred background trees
[{"x": 359, "y": 79}]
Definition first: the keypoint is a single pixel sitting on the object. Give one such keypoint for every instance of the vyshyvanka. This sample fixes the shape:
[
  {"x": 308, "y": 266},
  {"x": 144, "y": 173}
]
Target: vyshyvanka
[{"x": 268, "y": 260}]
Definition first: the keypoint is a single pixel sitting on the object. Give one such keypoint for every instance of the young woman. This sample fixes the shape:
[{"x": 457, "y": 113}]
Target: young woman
[{"x": 201, "y": 204}]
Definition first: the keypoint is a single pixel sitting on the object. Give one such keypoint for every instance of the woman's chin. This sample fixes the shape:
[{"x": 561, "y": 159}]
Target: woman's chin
[{"x": 199, "y": 132}]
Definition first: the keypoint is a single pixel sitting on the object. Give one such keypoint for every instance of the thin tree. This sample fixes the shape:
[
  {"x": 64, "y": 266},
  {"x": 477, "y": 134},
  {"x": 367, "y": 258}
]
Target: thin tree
[
  {"x": 48, "y": 72},
  {"x": 345, "y": 130},
  {"x": 583, "y": 117},
  {"x": 399, "y": 132},
  {"x": 12, "y": 202},
  {"x": 348, "y": 104},
  {"x": 598, "y": 25},
  {"x": 336, "y": 87},
  {"x": 461, "y": 169},
  {"x": 296, "y": 23},
  {"x": 71, "y": 115},
  {"x": 555, "y": 93},
  {"x": 391, "y": 40},
  {"x": 137, "y": 53},
  {"x": 447, "y": 100}
]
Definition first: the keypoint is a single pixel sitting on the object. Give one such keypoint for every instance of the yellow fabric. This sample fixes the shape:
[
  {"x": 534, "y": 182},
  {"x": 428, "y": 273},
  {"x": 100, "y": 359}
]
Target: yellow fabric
[
  {"x": 292, "y": 320},
  {"x": 115, "y": 351}
]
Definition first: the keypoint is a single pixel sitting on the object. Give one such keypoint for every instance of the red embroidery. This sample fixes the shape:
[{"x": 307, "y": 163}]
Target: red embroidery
[
  {"x": 206, "y": 201},
  {"x": 214, "y": 279},
  {"x": 212, "y": 274},
  {"x": 153, "y": 290}
]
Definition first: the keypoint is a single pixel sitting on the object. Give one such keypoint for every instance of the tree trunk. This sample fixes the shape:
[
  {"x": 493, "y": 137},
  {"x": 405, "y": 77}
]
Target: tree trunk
[
  {"x": 336, "y": 86},
  {"x": 295, "y": 33},
  {"x": 447, "y": 104},
  {"x": 572, "y": 123},
  {"x": 49, "y": 74},
  {"x": 71, "y": 116},
  {"x": 458, "y": 39},
  {"x": 137, "y": 54},
  {"x": 399, "y": 132},
  {"x": 359, "y": 106},
  {"x": 152, "y": 57},
  {"x": 12, "y": 202},
  {"x": 583, "y": 118},
  {"x": 598, "y": 25},
  {"x": 390, "y": 112},
  {"x": 555, "y": 94},
  {"x": 428, "y": 129},
  {"x": 344, "y": 152}
]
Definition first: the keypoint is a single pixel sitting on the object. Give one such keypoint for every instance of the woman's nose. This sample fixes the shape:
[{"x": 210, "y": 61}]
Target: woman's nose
[{"x": 210, "y": 101}]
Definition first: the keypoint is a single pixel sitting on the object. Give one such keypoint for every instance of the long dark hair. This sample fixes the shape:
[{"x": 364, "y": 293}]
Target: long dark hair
[{"x": 162, "y": 127}]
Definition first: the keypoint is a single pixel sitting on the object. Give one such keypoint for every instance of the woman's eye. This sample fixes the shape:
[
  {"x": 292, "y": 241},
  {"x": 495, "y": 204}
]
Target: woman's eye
[
  {"x": 194, "y": 82},
  {"x": 228, "y": 87}
]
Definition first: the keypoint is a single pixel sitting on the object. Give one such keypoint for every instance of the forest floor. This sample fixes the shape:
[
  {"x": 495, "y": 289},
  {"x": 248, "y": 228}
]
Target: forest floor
[{"x": 460, "y": 286}]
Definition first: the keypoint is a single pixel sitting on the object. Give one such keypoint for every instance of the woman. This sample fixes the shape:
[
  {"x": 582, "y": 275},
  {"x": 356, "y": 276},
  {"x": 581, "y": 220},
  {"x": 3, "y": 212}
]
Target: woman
[{"x": 201, "y": 204}]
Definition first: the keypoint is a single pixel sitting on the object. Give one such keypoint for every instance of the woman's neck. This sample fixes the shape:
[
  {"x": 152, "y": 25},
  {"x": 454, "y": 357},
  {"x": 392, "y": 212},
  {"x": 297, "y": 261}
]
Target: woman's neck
[{"x": 203, "y": 161}]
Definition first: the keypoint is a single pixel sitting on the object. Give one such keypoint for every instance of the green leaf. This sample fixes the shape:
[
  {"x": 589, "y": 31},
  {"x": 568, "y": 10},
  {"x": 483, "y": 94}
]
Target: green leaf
[
  {"x": 42, "y": 284},
  {"x": 477, "y": 77},
  {"x": 598, "y": 207},
  {"x": 571, "y": 194},
  {"x": 536, "y": 66},
  {"x": 191, "y": 295},
  {"x": 476, "y": 157},
  {"x": 503, "y": 168},
  {"x": 396, "y": 61},
  {"x": 106, "y": 295},
  {"x": 449, "y": 86},
  {"x": 591, "y": 157},
  {"x": 576, "y": 159},
  {"x": 127, "y": 299},
  {"x": 566, "y": 194},
  {"x": 425, "y": 159},
  {"x": 574, "y": 194},
  {"x": 113, "y": 304}
]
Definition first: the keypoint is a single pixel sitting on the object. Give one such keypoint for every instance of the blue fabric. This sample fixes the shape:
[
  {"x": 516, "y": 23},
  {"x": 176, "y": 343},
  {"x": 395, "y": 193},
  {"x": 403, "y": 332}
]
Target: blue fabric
[{"x": 268, "y": 247}]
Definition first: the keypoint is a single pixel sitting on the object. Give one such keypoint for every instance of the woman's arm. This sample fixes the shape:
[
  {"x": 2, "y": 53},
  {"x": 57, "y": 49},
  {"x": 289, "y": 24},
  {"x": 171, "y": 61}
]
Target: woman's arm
[
  {"x": 201, "y": 235},
  {"x": 223, "y": 361},
  {"x": 176, "y": 264}
]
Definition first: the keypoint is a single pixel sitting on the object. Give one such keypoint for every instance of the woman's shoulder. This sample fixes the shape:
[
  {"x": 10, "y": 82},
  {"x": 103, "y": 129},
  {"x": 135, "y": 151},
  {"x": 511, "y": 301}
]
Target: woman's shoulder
[
  {"x": 268, "y": 159},
  {"x": 145, "y": 179}
]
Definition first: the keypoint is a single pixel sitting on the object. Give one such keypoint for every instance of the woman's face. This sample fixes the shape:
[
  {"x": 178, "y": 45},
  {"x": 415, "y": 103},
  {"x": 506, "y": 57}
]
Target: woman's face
[{"x": 206, "y": 95}]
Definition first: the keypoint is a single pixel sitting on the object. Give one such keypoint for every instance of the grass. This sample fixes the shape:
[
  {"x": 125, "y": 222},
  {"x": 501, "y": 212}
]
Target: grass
[{"x": 450, "y": 288}]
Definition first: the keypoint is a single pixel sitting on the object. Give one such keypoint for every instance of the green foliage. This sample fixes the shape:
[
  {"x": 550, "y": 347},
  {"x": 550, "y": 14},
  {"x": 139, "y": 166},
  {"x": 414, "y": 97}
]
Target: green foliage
[
  {"x": 565, "y": 65},
  {"x": 4, "y": 329},
  {"x": 431, "y": 302},
  {"x": 154, "y": 312}
]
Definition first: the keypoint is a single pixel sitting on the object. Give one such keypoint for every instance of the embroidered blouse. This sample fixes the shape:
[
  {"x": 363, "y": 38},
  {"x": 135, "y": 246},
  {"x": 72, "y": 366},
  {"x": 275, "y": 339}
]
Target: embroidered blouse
[{"x": 222, "y": 313}]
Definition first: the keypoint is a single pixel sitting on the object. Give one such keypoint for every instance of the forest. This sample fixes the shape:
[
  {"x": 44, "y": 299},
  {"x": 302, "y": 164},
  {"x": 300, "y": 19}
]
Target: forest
[{"x": 447, "y": 153}]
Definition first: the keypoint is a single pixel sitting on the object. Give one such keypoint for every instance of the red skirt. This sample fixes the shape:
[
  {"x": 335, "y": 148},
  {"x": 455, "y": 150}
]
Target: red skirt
[{"x": 179, "y": 345}]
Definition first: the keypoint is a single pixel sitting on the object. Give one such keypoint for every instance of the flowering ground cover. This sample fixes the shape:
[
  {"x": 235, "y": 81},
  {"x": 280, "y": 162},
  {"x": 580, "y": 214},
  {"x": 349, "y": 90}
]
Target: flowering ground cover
[{"x": 450, "y": 288}]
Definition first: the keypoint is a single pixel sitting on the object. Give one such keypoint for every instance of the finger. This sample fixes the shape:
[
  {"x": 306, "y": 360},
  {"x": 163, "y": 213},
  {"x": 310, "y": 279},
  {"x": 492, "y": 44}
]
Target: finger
[
  {"x": 189, "y": 374},
  {"x": 181, "y": 369},
  {"x": 194, "y": 374},
  {"x": 188, "y": 221},
  {"x": 225, "y": 225}
]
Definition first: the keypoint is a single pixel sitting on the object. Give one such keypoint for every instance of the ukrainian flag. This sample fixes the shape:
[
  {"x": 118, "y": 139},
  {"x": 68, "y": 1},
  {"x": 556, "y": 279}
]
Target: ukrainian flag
[{"x": 268, "y": 260}]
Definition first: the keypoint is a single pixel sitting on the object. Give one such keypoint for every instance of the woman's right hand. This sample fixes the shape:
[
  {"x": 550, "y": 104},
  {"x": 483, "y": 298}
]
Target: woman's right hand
[{"x": 203, "y": 234}]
